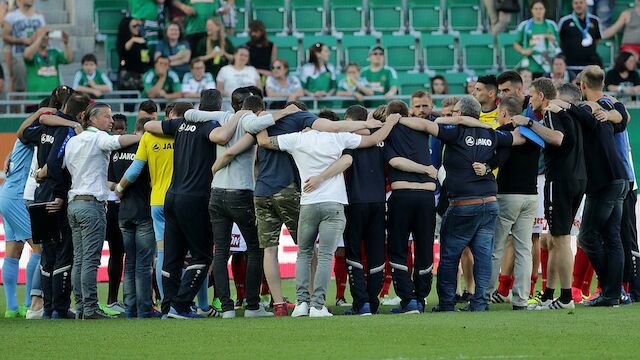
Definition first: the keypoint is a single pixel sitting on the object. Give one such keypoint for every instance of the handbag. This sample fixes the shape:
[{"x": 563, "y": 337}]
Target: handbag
[{"x": 508, "y": 6}]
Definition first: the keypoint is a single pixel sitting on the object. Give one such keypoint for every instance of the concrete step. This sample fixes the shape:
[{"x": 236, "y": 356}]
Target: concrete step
[{"x": 54, "y": 11}]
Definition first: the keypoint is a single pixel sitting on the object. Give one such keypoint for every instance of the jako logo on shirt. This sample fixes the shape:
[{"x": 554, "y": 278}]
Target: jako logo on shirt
[
  {"x": 124, "y": 156},
  {"x": 46, "y": 139},
  {"x": 470, "y": 141},
  {"x": 185, "y": 127}
]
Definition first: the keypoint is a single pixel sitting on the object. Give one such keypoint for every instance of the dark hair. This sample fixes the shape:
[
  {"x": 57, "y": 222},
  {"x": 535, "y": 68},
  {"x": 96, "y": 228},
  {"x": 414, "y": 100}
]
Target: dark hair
[
  {"x": 140, "y": 123},
  {"x": 181, "y": 37},
  {"x": 181, "y": 107},
  {"x": 512, "y": 104},
  {"x": 44, "y": 102},
  {"x": 59, "y": 96},
  {"x": 241, "y": 47},
  {"x": 168, "y": 109},
  {"x": 161, "y": 57},
  {"x": 76, "y": 103},
  {"x": 560, "y": 57},
  {"x": 124, "y": 34},
  {"x": 89, "y": 58},
  {"x": 194, "y": 61},
  {"x": 210, "y": 100},
  {"x": 511, "y": 76},
  {"x": 438, "y": 77},
  {"x": 257, "y": 25},
  {"x": 314, "y": 50},
  {"x": 328, "y": 114},
  {"x": 489, "y": 81},
  {"x": 535, "y": 2},
  {"x": 148, "y": 106},
  {"x": 356, "y": 113},
  {"x": 120, "y": 117},
  {"x": 92, "y": 111},
  {"x": 284, "y": 62},
  {"x": 253, "y": 103},
  {"x": 302, "y": 106},
  {"x": 618, "y": 65},
  {"x": 546, "y": 87},
  {"x": 397, "y": 107},
  {"x": 240, "y": 94},
  {"x": 380, "y": 113}
]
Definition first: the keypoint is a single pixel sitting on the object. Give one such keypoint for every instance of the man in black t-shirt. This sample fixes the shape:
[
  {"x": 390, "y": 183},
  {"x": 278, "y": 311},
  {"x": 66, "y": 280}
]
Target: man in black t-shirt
[
  {"x": 579, "y": 37},
  {"x": 566, "y": 180},
  {"x": 134, "y": 218},
  {"x": 471, "y": 217}
]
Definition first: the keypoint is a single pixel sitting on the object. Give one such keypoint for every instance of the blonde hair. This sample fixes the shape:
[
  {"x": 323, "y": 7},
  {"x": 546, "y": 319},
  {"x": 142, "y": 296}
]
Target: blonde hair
[{"x": 222, "y": 39}]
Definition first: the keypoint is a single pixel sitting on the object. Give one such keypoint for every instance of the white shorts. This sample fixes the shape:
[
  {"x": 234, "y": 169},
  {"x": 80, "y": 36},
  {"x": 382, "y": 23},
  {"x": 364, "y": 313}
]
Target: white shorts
[
  {"x": 237, "y": 241},
  {"x": 540, "y": 223}
]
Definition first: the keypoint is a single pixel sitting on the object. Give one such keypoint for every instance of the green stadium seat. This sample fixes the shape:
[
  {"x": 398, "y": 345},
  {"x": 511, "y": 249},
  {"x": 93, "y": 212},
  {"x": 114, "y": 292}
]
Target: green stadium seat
[
  {"x": 344, "y": 15},
  {"x": 111, "y": 54},
  {"x": 386, "y": 15},
  {"x": 288, "y": 50},
  {"x": 477, "y": 51},
  {"x": 328, "y": 40},
  {"x": 412, "y": 81},
  {"x": 308, "y": 16},
  {"x": 242, "y": 15},
  {"x": 400, "y": 51},
  {"x": 356, "y": 48},
  {"x": 464, "y": 15},
  {"x": 106, "y": 4},
  {"x": 456, "y": 81},
  {"x": 607, "y": 51},
  {"x": 238, "y": 40},
  {"x": 107, "y": 20},
  {"x": 509, "y": 56},
  {"x": 272, "y": 13},
  {"x": 425, "y": 15},
  {"x": 620, "y": 6},
  {"x": 439, "y": 52}
]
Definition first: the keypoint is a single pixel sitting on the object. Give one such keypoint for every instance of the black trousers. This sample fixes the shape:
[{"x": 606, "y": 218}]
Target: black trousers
[
  {"x": 187, "y": 228},
  {"x": 56, "y": 263},
  {"x": 116, "y": 250},
  {"x": 225, "y": 208},
  {"x": 411, "y": 211},
  {"x": 365, "y": 226},
  {"x": 629, "y": 235}
]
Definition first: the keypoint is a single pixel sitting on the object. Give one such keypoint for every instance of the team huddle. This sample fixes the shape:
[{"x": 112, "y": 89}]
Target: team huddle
[{"x": 488, "y": 178}]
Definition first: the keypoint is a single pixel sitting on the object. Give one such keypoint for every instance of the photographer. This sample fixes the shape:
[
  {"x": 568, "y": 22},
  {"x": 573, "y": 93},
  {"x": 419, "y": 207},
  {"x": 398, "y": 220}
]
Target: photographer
[{"x": 42, "y": 62}]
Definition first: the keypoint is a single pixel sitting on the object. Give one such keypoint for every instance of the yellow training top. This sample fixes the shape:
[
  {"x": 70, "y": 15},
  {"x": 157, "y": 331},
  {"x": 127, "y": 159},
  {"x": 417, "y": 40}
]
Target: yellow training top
[{"x": 157, "y": 151}]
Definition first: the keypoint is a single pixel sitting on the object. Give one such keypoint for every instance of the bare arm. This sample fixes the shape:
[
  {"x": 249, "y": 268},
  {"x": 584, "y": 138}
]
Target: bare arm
[
  {"x": 380, "y": 135},
  {"x": 221, "y": 135},
  {"x": 404, "y": 164},
  {"x": 462, "y": 120},
  {"x": 154, "y": 127},
  {"x": 618, "y": 25},
  {"x": 53, "y": 120},
  {"x": 126, "y": 140},
  {"x": 551, "y": 137},
  {"x": 267, "y": 142},
  {"x": 420, "y": 124},
  {"x": 32, "y": 49},
  {"x": 28, "y": 121},
  {"x": 326, "y": 125},
  {"x": 338, "y": 167},
  {"x": 245, "y": 143},
  {"x": 68, "y": 51}
]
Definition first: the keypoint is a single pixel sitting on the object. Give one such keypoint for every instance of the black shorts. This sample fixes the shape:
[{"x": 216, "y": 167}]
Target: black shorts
[{"x": 562, "y": 199}]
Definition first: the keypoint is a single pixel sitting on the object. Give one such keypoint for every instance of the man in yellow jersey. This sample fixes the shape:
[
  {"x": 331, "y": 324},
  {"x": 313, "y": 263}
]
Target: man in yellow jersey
[{"x": 486, "y": 92}]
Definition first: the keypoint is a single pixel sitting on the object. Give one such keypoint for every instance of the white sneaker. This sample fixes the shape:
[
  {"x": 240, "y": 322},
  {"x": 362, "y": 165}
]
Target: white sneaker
[
  {"x": 302, "y": 309},
  {"x": 389, "y": 301},
  {"x": 35, "y": 314},
  {"x": 208, "y": 313},
  {"x": 540, "y": 305},
  {"x": 117, "y": 306},
  {"x": 497, "y": 298},
  {"x": 260, "y": 312},
  {"x": 230, "y": 314},
  {"x": 559, "y": 305},
  {"x": 315, "y": 313}
]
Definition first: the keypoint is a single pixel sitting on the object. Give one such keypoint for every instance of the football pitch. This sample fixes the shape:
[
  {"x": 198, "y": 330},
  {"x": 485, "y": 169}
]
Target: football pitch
[{"x": 584, "y": 333}]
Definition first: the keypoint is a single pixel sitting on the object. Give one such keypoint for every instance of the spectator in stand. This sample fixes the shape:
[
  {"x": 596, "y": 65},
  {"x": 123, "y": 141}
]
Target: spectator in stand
[
  {"x": 559, "y": 73},
  {"x": 579, "y": 37},
  {"x": 624, "y": 78},
  {"x": 214, "y": 49},
  {"x": 227, "y": 11},
  {"x": 382, "y": 78},
  {"x": 19, "y": 31},
  {"x": 153, "y": 15},
  {"x": 134, "y": 55},
  {"x": 537, "y": 40},
  {"x": 176, "y": 49},
  {"x": 42, "y": 62},
  {"x": 90, "y": 80},
  {"x": 439, "y": 85},
  {"x": 470, "y": 84},
  {"x": 238, "y": 74},
  {"x": 500, "y": 14},
  {"x": 630, "y": 21},
  {"x": 353, "y": 84},
  {"x": 160, "y": 82},
  {"x": 197, "y": 12},
  {"x": 318, "y": 76},
  {"x": 262, "y": 52},
  {"x": 281, "y": 84},
  {"x": 527, "y": 79},
  {"x": 197, "y": 80}
]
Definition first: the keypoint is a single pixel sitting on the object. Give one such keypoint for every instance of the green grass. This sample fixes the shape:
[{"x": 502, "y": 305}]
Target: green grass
[{"x": 498, "y": 334}]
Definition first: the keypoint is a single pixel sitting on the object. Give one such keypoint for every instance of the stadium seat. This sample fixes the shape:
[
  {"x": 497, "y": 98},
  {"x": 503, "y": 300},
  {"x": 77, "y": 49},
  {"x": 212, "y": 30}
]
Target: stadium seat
[
  {"x": 105, "y": 4},
  {"x": 620, "y": 6},
  {"x": 242, "y": 15},
  {"x": 111, "y": 54},
  {"x": 477, "y": 51},
  {"x": 239, "y": 40},
  {"x": 456, "y": 81},
  {"x": 308, "y": 16},
  {"x": 288, "y": 50},
  {"x": 386, "y": 16},
  {"x": 412, "y": 81},
  {"x": 345, "y": 15},
  {"x": 328, "y": 40},
  {"x": 400, "y": 51},
  {"x": 508, "y": 55},
  {"x": 425, "y": 15},
  {"x": 607, "y": 52},
  {"x": 464, "y": 15},
  {"x": 438, "y": 52},
  {"x": 356, "y": 48},
  {"x": 107, "y": 20},
  {"x": 272, "y": 13}
]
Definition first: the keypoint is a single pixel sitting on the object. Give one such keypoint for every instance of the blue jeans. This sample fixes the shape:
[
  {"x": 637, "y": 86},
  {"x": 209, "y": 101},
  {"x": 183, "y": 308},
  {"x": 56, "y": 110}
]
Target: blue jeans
[
  {"x": 473, "y": 226},
  {"x": 140, "y": 249},
  {"x": 88, "y": 221}
]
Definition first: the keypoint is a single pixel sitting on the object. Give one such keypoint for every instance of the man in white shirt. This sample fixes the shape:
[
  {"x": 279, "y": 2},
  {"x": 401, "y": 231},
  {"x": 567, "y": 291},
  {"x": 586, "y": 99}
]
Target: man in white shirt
[
  {"x": 87, "y": 159},
  {"x": 321, "y": 210},
  {"x": 197, "y": 80}
]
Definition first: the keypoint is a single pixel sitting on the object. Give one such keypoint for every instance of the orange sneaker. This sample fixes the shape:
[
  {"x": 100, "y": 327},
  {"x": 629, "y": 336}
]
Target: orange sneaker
[
  {"x": 595, "y": 294},
  {"x": 576, "y": 294}
]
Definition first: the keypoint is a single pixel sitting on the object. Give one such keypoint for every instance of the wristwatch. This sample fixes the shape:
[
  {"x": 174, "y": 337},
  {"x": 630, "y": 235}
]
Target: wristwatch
[{"x": 530, "y": 123}]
